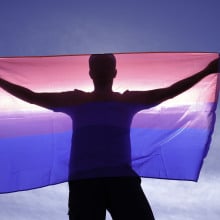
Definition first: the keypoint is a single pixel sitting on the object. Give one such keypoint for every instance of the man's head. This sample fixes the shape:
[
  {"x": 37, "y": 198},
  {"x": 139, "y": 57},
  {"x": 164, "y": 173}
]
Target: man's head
[{"x": 102, "y": 66}]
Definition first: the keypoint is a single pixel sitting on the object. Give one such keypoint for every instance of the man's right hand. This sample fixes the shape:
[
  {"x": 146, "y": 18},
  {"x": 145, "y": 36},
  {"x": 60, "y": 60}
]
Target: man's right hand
[{"x": 213, "y": 67}]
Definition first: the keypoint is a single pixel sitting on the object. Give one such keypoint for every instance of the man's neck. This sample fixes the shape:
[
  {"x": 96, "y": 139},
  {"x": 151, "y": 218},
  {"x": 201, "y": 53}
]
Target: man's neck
[{"x": 103, "y": 89}]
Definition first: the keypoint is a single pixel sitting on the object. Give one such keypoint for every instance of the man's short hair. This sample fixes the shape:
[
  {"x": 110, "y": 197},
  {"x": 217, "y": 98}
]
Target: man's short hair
[{"x": 102, "y": 61}]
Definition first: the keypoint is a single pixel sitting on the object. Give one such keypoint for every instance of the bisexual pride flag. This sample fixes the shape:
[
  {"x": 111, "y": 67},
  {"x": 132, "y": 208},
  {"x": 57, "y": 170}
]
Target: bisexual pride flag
[{"x": 169, "y": 141}]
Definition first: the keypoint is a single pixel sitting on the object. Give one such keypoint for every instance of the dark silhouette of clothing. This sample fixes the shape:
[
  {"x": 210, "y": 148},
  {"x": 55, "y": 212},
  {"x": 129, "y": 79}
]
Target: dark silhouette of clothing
[
  {"x": 100, "y": 171},
  {"x": 101, "y": 136},
  {"x": 123, "y": 197}
]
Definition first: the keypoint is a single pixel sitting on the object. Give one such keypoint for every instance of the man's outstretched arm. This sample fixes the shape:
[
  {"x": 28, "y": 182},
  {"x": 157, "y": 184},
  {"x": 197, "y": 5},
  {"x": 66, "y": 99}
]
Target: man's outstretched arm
[
  {"x": 154, "y": 97},
  {"x": 47, "y": 100}
]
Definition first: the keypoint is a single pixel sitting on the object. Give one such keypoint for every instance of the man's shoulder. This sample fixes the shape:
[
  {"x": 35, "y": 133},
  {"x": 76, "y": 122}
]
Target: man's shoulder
[
  {"x": 78, "y": 91},
  {"x": 130, "y": 95}
]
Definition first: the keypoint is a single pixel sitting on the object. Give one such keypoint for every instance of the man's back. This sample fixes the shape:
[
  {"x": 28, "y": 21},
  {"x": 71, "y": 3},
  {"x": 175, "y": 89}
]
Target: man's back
[{"x": 101, "y": 135}]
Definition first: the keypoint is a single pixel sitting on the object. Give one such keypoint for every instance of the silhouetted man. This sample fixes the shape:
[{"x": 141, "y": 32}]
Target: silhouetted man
[{"x": 100, "y": 172}]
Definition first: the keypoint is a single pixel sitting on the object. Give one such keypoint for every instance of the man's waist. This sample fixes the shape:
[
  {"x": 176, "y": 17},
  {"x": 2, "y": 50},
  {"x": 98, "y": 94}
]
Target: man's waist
[{"x": 102, "y": 172}]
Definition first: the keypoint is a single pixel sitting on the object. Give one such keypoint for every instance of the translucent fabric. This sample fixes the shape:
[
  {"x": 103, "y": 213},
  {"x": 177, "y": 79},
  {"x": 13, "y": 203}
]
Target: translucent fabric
[{"x": 168, "y": 141}]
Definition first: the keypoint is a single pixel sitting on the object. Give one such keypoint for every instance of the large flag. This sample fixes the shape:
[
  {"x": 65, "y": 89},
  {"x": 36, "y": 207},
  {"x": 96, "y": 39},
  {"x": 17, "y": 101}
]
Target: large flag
[{"x": 169, "y": 141}]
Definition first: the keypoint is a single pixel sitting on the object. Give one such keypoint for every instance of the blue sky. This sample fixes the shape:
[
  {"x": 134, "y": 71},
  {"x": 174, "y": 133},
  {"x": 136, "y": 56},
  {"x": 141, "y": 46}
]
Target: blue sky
[
  {"x": 47, "y": 27},
  {"x": 69, "y": 26}
]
